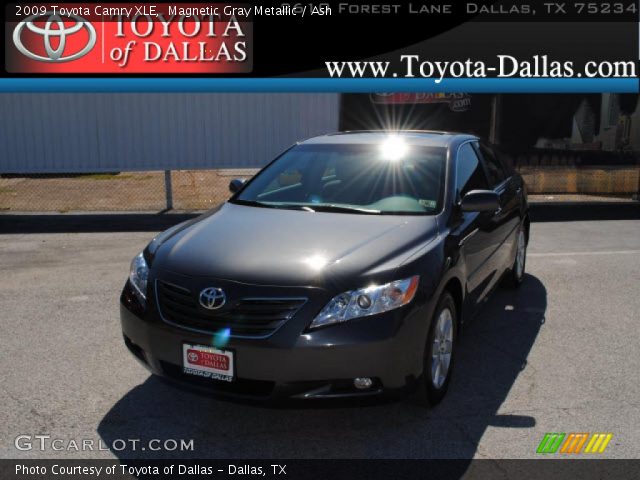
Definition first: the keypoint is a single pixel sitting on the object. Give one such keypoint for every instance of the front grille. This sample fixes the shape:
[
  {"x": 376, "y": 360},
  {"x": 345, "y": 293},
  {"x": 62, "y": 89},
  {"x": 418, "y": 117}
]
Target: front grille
[
  {"x": 239, "y": 387},
  {"x": 247, "y": 317}
]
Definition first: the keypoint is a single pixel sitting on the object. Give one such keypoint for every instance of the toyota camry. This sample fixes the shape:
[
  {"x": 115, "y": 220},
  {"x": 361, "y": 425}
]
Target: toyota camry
[{"x": 346, "y": 267}]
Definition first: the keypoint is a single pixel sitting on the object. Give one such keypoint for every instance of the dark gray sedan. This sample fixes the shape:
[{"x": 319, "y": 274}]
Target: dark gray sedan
[{"x": 346, "y": 267}]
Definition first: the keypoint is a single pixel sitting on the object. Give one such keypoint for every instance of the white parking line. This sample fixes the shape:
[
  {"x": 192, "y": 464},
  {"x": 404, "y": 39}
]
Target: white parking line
[{"x": 574, "y": 254}]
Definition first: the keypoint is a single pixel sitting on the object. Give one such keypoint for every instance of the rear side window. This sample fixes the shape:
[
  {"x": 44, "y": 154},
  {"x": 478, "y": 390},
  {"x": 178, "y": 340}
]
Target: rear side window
[
  {"x": 495, "y": 169},
  {"x": 470, "y": 174}
]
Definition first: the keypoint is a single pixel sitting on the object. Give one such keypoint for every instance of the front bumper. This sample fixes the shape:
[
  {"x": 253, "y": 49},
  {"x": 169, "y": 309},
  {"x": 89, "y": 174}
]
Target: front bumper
[{"x": 318, "y": 364}]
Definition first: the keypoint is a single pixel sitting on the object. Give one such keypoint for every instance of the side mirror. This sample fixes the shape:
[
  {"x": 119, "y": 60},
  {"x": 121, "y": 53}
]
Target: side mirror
[
  {"x": 236, "y": 184},
  {"x": 480, "y": 201}
]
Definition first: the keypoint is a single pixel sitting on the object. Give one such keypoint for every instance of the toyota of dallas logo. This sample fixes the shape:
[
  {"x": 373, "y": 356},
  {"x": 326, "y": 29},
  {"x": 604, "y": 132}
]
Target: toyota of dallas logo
[
  {"x": 54, "y": 27},
  {"x": 61, "y": 41}
]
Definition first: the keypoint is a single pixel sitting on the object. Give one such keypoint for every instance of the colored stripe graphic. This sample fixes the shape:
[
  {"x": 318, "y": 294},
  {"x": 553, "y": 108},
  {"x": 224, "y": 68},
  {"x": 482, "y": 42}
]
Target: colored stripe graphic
[
  {"x": 574, "y": 442},
  {"x": 598, "y": 443},
  {"x": 550, "y": 442}
]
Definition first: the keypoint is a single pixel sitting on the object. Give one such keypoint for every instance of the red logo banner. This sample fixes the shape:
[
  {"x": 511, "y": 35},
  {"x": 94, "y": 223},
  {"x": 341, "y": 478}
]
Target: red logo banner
[{"x": 127, "y": 38}]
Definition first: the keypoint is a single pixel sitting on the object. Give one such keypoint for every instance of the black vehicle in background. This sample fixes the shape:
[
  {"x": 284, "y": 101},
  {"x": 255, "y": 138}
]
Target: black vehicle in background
[{"x": 346, "y": 267}]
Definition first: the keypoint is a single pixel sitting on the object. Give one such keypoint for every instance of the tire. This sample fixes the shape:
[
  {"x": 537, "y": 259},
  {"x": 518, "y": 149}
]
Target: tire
[
  {"x": 515, "y": 276},
  {"x": 434, "y": 384}
]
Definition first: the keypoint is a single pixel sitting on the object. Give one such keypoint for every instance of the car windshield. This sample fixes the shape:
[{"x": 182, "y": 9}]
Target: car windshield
[{"x": 387, "y": 178}]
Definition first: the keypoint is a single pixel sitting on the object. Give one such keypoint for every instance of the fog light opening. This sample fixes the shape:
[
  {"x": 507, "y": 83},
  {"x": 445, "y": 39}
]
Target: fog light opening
[{"x": 362, "y": 383}]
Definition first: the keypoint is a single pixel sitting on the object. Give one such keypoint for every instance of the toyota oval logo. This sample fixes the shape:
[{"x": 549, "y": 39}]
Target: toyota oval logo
[
  {"x": 193, "y": 357},
  {"x": 48, "y": 32},
  {"x": 212, "y": 298}
]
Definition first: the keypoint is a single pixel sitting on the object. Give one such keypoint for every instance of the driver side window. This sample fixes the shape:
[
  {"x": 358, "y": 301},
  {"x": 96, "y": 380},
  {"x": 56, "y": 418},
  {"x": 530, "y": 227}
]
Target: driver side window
[
  {"x": 495, "y": 169},
  {"x": 469, "y": 172}
]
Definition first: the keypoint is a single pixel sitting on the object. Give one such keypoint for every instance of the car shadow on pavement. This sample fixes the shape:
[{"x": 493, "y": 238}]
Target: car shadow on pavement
[
  {"x": 23, "y": 223},
  {"x": 585, "y": 211},
  {"x": 89, "y": 222},
  {"x": 492, "y": 356}
]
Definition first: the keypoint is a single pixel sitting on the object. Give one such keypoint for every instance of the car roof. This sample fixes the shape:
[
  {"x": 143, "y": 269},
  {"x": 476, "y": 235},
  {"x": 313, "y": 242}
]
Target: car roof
[{"x": 429, "y": 138}]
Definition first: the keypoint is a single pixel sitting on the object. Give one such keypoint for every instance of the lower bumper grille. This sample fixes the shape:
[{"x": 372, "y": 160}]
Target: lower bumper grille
[
  {"x": 239, "y": 387},
  {"x": 247, "y": 317}
]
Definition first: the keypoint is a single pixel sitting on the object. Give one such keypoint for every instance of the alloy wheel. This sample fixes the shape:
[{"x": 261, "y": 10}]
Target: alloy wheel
[{"x": 441, "y": 348}]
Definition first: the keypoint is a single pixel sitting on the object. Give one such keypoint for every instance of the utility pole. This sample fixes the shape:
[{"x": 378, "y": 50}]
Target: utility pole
[{"x": 168, "y": 190}]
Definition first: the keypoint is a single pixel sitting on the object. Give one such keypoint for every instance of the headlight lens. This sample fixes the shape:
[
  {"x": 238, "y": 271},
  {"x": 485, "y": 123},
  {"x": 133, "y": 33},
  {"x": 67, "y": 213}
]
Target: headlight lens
[
  {"x": 138, "y": 275},
  {"x": 367, "y": 301}
]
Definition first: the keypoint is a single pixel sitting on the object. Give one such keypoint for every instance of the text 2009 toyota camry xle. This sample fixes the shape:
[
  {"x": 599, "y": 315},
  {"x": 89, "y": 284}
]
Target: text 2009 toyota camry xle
[{"x": 346, "y": 267}]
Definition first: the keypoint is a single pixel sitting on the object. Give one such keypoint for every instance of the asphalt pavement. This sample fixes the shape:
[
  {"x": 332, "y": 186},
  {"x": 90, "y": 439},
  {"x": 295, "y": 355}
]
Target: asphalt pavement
[{"x": 558, "y": 355}]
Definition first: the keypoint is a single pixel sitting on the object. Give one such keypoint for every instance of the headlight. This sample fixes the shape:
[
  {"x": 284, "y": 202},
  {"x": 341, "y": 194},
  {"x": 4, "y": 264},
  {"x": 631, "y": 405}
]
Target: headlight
[
  {"x": 138, "y": 275},
  {"x": 367, "y": 301}
]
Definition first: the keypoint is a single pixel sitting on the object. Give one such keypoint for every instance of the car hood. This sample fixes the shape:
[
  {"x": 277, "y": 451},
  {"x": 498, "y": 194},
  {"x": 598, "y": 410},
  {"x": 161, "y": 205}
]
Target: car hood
[{"x": 290, "y": 247}]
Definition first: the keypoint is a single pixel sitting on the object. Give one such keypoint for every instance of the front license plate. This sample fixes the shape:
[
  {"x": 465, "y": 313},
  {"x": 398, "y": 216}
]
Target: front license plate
[{"x": 207, "y": 362}]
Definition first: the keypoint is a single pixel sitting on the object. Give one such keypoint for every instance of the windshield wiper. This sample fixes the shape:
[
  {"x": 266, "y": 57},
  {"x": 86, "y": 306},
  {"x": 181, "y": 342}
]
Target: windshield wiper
[
  {"x": 253, "y": 203},
  {"x": 308, "y": 208},
  {"x": 283, "y": 206},
  {"x": 343, "y": 209}
]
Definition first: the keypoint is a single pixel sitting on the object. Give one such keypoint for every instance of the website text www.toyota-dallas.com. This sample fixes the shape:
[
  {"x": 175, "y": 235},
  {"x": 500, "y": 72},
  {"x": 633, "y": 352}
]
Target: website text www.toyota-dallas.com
[{"x": 505, "y": 66}]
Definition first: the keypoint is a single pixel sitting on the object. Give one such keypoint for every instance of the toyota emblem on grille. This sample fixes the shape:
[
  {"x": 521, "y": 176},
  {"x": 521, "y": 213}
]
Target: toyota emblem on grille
[{"x": 212, "y": 298}]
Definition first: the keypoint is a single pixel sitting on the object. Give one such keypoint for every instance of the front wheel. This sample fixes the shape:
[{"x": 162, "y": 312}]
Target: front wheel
[
  {"x": 439, "y": 352},
  {"x": 516, "y": 274}
]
